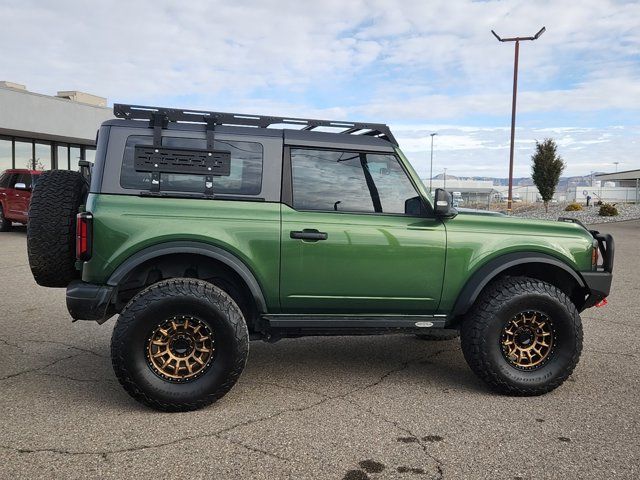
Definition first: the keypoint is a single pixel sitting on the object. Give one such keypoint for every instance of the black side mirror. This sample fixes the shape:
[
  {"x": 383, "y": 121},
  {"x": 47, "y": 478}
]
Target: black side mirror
[
  {"x": 444, "y": 204},
  {"x": 414, "y": 206}
]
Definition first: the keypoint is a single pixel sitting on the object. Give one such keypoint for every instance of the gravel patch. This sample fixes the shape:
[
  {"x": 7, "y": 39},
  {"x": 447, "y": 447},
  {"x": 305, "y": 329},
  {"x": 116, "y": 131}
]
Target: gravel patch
[{"x": 587, "y": 216}]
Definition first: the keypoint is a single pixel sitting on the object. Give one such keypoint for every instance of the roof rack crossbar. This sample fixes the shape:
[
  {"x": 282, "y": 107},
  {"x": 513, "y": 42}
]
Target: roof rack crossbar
[{"x": 142, "y": 112}]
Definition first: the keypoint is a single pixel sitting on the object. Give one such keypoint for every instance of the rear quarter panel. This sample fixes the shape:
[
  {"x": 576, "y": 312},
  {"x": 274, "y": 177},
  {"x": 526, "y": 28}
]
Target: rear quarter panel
[{"x": 125, "y": 224}]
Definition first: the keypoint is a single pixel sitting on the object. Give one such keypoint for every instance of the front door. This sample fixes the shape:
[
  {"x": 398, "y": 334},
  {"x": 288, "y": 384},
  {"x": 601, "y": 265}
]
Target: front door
[{"x": 349, "y": 245}]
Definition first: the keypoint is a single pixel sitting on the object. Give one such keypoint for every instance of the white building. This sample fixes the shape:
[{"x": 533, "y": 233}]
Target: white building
[{"x": 41, "y": 132}]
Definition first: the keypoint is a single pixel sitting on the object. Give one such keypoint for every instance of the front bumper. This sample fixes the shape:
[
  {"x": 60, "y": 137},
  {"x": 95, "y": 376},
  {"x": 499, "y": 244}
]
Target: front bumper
[
  {"x": 88, "y": 301},
  {"x": 599, "y": 286},
  {"x": 598, "y": 282}
]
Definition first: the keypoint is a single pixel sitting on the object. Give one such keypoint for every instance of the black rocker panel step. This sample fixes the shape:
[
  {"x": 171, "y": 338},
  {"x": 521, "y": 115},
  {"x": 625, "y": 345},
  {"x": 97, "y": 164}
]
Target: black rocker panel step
[{"x": 182, "y": 160}]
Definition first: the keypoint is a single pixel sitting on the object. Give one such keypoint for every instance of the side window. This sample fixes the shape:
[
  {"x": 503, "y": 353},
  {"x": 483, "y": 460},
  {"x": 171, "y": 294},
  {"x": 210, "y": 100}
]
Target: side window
[
  {"x": 4, "y": 180},
  {"x": 245, "y": 177},
  {"x": 391, "y": 181},
  {"x": 329, "y": 181},
  {"x": 24, "y": 178},
  {"x": 349, "y": 182}
]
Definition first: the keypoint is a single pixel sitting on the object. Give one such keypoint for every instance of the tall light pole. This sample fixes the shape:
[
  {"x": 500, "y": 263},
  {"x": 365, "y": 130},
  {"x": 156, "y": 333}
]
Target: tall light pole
[
  {"x": 431, "y": 169},
  {"x": 616, "y": 164},
  {"x": 444, "y": 185},
  {"x": 513, "y": 102}
]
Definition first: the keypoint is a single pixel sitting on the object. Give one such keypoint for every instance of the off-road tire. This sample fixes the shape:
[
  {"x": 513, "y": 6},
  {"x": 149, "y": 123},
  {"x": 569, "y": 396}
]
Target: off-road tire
[
  {"x": 438, "y": 334},
  {"x": 147, "y": 310},
  {"x": 482, "y": 327},
  {"x": 51, "y": 228},
  {"x": 5, "y": 224}
]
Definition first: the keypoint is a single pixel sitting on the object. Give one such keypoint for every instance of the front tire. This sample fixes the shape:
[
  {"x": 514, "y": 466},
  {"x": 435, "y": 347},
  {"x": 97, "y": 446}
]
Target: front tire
[
  {"x": 179, "y": 345},
  {"x": 523, "y": 337}
]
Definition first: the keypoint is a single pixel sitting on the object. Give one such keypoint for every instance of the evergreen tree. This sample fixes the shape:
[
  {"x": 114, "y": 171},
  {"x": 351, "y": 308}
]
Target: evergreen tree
[{"x": 546, "y": 168}]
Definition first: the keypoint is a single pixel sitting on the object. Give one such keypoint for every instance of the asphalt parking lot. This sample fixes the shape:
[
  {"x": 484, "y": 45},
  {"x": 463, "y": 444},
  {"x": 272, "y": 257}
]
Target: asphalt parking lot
[{"x": 347, "y": 407}]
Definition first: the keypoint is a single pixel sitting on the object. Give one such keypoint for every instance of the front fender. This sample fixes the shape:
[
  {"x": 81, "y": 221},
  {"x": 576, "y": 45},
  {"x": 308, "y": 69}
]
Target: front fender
[{"x": 489, "y": 271}]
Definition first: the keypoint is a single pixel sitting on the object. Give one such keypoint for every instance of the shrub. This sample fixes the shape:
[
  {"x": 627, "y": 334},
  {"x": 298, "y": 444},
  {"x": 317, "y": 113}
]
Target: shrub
[
  {"x": 608, "y": 210},
  {"x": 573, "y": 207}
]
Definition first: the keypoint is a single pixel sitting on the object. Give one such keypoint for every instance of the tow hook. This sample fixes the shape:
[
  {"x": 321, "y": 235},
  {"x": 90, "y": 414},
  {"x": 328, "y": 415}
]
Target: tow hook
[{"x": 602, "y": 303}]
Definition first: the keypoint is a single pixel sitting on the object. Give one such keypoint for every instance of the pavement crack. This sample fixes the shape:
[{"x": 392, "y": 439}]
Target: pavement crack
[
  {"x": 219, "y": 433},
  {"x": 176, "y": 441},
  {"x": 287, "y": 387},
  {"x": 36, "y": 369},
  {"x": 69, "y": 345},
  {"x": 11, "y": 344},
  {"x": 604, "y": 352},
  {"x": 252, "y": 449},
  {"x": 400, "y": 368},
  {"x": 405, "y": 430},
  {"x": 75, "y": 379}
]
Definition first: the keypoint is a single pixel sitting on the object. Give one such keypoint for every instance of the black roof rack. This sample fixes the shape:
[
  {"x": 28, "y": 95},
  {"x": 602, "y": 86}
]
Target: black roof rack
[{"x": 141, "y": 112}]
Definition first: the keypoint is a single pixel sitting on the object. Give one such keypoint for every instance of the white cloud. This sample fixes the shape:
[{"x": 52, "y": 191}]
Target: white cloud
[
  {"x": 485, "y": 151},
  {"x": 410, "y": 63}
]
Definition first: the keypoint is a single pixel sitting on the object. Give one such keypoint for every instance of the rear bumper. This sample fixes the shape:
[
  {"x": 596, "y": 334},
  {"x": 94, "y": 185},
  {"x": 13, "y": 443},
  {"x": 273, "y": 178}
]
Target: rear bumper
[{"x": 87, "y": 301}]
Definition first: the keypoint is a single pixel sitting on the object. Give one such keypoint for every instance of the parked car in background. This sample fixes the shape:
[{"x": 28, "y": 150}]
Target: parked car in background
[{"x": 15, "y": 196}]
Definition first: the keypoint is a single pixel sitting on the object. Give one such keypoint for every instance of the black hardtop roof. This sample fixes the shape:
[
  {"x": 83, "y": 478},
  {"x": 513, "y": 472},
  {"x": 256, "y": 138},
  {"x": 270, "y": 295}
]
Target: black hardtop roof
[{"x": 349, "y": 132}]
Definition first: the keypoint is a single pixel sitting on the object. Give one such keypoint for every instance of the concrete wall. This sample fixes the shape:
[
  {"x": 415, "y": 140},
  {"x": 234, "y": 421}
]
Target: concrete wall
[{"x": 32, "y": 115}]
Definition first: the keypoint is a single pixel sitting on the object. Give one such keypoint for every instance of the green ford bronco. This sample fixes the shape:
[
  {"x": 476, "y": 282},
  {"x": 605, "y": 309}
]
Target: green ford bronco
[{"x": 204, "y": 230}]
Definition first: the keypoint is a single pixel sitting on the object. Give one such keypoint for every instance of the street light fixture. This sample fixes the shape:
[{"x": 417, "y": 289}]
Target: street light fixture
[
  {"x": 431, "y": 169},
  {"x": 513, "y": 102}
]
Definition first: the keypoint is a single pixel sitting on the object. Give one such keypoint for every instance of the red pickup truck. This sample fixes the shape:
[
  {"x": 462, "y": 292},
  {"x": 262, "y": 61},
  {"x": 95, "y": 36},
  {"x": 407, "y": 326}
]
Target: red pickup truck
[{"x": 15, "y": 196}]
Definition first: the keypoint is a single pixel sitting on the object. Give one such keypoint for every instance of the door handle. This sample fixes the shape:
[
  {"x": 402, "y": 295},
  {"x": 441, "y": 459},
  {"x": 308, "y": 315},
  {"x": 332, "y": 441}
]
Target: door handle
[{"x": 309, "y": 234}]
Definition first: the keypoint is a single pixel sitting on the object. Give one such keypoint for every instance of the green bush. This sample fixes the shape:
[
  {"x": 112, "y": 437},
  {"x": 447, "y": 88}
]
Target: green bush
[
  {"x": 573, "y": 207},
  {"x": 608, "y": 210}
]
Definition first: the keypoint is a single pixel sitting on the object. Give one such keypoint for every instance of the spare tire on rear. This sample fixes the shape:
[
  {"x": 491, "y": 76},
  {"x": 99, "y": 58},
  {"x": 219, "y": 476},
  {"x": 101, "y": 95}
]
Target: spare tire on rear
[{"x": 51, "y": 229}]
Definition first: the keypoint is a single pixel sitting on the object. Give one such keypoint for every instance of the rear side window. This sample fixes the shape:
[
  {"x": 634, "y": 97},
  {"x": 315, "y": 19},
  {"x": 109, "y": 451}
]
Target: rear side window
[{"x": 245, "y": 177}]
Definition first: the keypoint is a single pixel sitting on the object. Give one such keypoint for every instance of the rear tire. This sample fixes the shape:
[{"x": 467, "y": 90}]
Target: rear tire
[
  {"x": 5, "y": 224},
  {"x": 523, "y": 337},
  {"x": 203, "y": 358},
  {"x": 51, "y": 229}
]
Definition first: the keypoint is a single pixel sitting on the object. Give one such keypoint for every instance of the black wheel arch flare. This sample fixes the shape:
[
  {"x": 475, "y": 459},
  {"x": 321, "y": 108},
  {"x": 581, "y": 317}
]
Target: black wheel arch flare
[
  {"x": 196, "y": 248},
  {"x": 493, "y": 268}
]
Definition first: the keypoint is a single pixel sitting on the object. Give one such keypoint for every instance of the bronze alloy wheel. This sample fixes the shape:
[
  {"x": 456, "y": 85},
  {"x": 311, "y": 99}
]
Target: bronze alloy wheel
[
  {"x": 528, "y": 340},
  {"x": 180, "y": 349}
]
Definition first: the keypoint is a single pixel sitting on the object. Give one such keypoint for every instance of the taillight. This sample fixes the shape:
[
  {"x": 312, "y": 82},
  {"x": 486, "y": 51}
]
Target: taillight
[{"x": 84, "y": 227}]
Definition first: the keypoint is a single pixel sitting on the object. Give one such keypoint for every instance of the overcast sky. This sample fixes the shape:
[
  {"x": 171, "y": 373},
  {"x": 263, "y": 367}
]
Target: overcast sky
[{"x": 420, "y": 66}]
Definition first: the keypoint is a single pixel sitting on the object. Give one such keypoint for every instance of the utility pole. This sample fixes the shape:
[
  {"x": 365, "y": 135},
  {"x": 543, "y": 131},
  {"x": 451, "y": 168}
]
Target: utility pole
[
  {"x": 513, "y": 102},
  {"x": 431, "y": 169}
]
